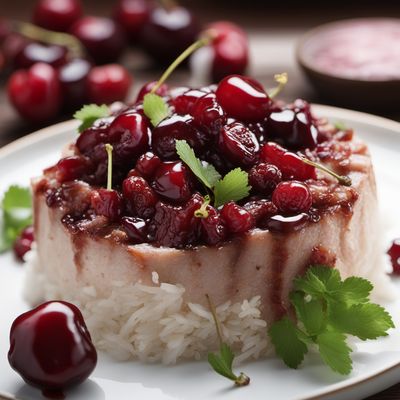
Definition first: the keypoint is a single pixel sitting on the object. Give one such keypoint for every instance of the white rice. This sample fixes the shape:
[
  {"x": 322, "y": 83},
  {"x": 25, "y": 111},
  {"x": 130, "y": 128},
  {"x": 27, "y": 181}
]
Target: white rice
[{"x": 152, "y": 323}]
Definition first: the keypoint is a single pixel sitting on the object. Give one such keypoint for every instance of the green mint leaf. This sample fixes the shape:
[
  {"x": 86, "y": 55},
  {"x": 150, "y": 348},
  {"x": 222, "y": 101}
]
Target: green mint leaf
[
  {"x": 366, "y": 321},
  {"x": 155, "y": 108},
  {"x": 17, "y": 214},
  {"x": 335, "y": 352},
  {"x": 340, "y": 125},
  {"x": 207, "y": 174},
  {"x": 219, "y": 365},
  {"x": 309, "y": 312},
  {"x": 355, "y": 290},
  {"x": 288, "y": 346},
  {"x": 233, "y": 187},
  {"x": 89, "y": 113}
]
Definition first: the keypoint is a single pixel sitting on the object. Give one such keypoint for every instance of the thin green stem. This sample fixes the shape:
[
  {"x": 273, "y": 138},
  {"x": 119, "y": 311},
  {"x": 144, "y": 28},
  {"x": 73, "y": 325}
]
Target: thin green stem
[
  {"x": 282, "y": 80},
  {"x": 191, "y": 49},
  {"x": 109, "y": 150},
  {"x": 202, "y": 211},
  {"x": 214, "y": 315},
  {"x": 342, "y": 179}
]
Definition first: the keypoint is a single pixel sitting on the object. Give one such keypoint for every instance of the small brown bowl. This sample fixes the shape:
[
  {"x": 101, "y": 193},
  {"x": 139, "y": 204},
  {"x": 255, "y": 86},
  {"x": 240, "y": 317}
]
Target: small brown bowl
[{"x": 375, "y": 93}]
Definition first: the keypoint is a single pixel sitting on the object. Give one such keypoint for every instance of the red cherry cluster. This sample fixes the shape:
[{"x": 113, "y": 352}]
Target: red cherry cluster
[
  {"x": 156, "y": 195},
  {"x": 51, "y": 77}
]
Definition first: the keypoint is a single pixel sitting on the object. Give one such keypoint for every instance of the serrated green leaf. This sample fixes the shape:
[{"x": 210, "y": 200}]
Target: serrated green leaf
[
  {"x": 207, "y": 174},
  {"x": 155, "y": 108},
  {"x": 310, "y": 312},
  {"x": 288, "y": 346},
  {"x": 335, "y": 352},
  {"x": 366, "y": 321},
  {"x": 233, "y": 187},
  {"x": 355, "y": 290},
  {"x": 89, "y": 113}
]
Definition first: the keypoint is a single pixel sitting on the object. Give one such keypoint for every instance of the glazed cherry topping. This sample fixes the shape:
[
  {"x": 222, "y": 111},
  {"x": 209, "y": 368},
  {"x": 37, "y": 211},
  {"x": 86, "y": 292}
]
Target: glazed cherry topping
[
  {"x": 243, "y": 98},
  {"x": 394, "y": 253},
  {"x": 139, "y": 196},
  {"x": 292, "y": 197},
  {"x": 261, "y": 210},
  {"x": 71, "y": 167},
  {"x": 57, "y": 15},
  {"x": 135, "y": 228},
  {"x": 173, "y": 182},
  {"x": 281, "y": 223},
  {"x": 236, "y": 218},
  {"x": 107, "y": 203},
  {"x": 36, "y": 52},
  {"x": 264, "y": 177},
  {"x": 23, "y": 243},
  {"x": 51, "y": 348},
  {"x": 183, "y": 103},
  {"x": 238, "y": 144},
  {"x": 172, "y": 128},
  {"x": 35, "y": 93},
  {"x": 147, "y": 87},
  {"x": 108, "y": 83},
  {"x": 213, "y": 228},
  {"x": 102, "y": 38}
]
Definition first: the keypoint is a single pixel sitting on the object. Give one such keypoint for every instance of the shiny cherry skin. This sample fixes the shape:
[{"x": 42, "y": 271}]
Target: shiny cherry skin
[
  {"x": 139, "y": 196},
  {"x": 292, "y": 197},
  {"x": 147, "y": 87},
  {"x": 289, "y": 163},
  {"x": 168, "y": 32},
  {"x": 238, "y": 144},
  {"x": 133, "y": 15},
  {"x": 183, "y": 103},
  {"x": 102, "y": 38},
  {"x": 147, "y": 165},
  {"x": 236, "y": 218},
  {"x": 264, "y": 177},
  {"x": 173, "y": 182},
  {"x": 135, "y": 228},
  {"x": 36, "y": 52},
  {"x": 51, "y": 348},
  {"x": 108, "y": 83},
  {"x": 57, "y": 15},
  {"x": 171, "y": 129},
  {"x": 74, "y": 83},
  {"x": 394, "y": 254},
  {"x": 23, "y": 243},
  {"x": 107, "y": 203},
  {"x": 71, "y": 168},
  {"x": 35, "y": 93},
  {"x": 243, "y": 98},
  {"x": 213, "y": 227}
]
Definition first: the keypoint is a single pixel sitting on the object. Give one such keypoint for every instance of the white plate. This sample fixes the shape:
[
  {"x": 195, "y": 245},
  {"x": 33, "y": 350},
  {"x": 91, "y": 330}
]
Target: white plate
[{"x": 376, "y": 363}]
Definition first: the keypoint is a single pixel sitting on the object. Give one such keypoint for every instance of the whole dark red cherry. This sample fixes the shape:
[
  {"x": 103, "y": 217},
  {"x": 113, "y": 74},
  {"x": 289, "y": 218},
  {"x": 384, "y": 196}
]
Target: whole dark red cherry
[
  {"x": 213, "y": 228},
  {"x": 130, "y": 135},
  {"x": 264, "y": 177},
  {"x": 108, "y": 83},
  {"x": 243, "y": 98},
  {"x": 36, "y": 52},
  {"x": 71, "y": 168},
  {"x": 168, "y": 32},
  {"x": 292, "y": 197},
  {"x": 107, "y": 203},
  {"x": 36, "y": 92},
  {"x": 73, "y": 77},
  {"x": 102, "y": 38},
  {"x": 236, "y": 218},
  {"x": 184, "y": 102},
  {"x": 147, "y": 165},
  {"x": 23, "y": 243},
  {"x": 139, "y": 197},
  {"x": 238, "y": 144},
  {"x": 13, "y": 44},
  {"x": 51, "y": 348},
  {"x": 132, "y": 15},
  {"x": 172, "y": 128},
  {"x": 394, "y": 253},
  {"x": 173, "y": 182},
  {"x": 147, "y": 87},
  {"x": 135, "y": 228}
]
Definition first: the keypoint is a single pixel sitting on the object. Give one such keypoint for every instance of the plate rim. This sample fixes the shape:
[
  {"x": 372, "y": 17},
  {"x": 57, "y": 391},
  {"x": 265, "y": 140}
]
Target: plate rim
[{"x": 61, "y": 128}]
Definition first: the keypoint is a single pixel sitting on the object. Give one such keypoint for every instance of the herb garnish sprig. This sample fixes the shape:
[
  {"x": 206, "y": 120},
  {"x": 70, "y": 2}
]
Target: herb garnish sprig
[{"x": 328, "y": 309}]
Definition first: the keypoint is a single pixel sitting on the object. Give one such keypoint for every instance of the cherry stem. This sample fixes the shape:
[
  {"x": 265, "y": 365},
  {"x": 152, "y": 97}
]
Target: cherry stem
[
  {"x": 109, "y": 150},
  {"x": 202, "y": 211},
  {"x": 204, "y": 41},
  {"x": 34, "y": 32},
  {"x": 343, "y": 179},
  {"x": 282, "y": 80},
  {"x": 214, "y": 315},
  {"x": 168, "y": 4}
]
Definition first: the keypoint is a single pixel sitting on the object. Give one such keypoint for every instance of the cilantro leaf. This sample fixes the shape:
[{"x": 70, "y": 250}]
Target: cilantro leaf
[
  {"x": 366, "y": 321},
  {"x": 89, "y": 113},
  {"x": 355, "y": 290},
  {"x": 17, "y": 215},
  {"x": 155, "y": 108},
  {"x": 207, "y": 174},
  {"x": 287, "y": 343},
  {"x": 335, "y": 352},
  {"x": 234, "y": 186}
]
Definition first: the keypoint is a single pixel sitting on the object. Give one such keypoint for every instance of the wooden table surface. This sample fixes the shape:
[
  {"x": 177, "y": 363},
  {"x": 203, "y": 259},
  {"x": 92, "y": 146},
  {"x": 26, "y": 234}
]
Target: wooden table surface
[{"x": 274, "y": 31}]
